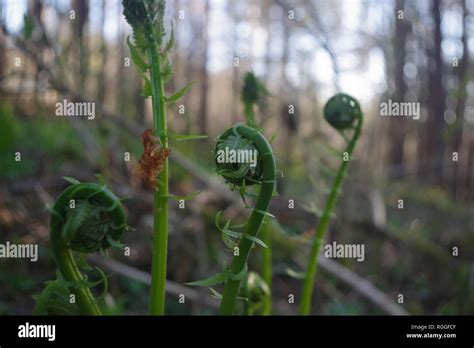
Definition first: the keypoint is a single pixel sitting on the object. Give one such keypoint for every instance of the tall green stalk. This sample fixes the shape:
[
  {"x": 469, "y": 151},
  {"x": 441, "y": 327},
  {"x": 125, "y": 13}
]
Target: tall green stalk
[
  {"x": 152, "y": 57},
  {"x": 160, "y": 220},
  {"x": 342, "y": 112}
]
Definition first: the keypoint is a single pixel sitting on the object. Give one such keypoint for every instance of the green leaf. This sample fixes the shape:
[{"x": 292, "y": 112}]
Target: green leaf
[
  {"x": 218, "y": 278},
  {"x": 326, "y": 171},
  {"x": 215, "y": 294},
  {"x": 185, "y": 198},
  {"x": 101, "y": 179},
  {"x": 167, "y": 68},
  {"x": 331, "y": 150},
  {"x": 264, "y": 213},
  {"x": 294, "y": 274},
  {"x": 136, "y": 58},
  {"x": 82, "y": 262},
  {"x": 273, "y": 137},
  {"x": 256, "y": 240},
  {"x": 169, "y": 45},
  {"x": 311, "y": 207},
  {"x": 320, "y": 186},
  {"x": 139, "y": 38},
  {"x": 217, "y": 219},
  {"x": 239, "y": 275},
  {"x": 184, "y": 137},
  {"x": 76, "y": 218},
  {"x": 242, "y": 193},
  {"x": 175, "y": 97},
  {"x": 232, "y": 234},
  {"x": 228, "y": 241},
  {"x": 71, "y": 180},
  {"x": 147, "y": 90},
  {"x": 112, "y": 207},
  {"x": 113, "y": 242},
  {"x": 103, "y": 279}
]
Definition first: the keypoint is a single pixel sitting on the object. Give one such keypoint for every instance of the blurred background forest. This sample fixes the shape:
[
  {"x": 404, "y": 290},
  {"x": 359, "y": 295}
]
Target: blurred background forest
[{"x": 304, "y": 52}]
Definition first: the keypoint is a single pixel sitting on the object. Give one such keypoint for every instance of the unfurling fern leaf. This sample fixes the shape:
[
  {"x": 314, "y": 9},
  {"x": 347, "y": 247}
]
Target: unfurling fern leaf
[{"x": 86, "y": 217}]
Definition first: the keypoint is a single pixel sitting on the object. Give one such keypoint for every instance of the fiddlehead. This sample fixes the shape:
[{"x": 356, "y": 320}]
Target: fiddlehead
[
  {"x": 343, "y": 112},
  {"x": 263, "y": 173},
  {"x": 232, "y": 148},
  {"x": 238, "y": 174},
  {"x": 255, "y": 290},
  {"x": 85, "y": 218},
  {"x": 253, "y": 93}
]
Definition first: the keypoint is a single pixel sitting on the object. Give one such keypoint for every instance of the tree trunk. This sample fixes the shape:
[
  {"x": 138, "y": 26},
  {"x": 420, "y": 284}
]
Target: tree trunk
[
  {"x": 432, "y": 153},
  {"x": 81, "y": 7},
  {"x": 235, "y": 69},
  {"x": 461, "y": 169},
  {"x": 397, "y": 129},
  {"x": 203, "y": 106},
  {"x": 3, "y": 59},
  {"x": 102, "y": 76}
]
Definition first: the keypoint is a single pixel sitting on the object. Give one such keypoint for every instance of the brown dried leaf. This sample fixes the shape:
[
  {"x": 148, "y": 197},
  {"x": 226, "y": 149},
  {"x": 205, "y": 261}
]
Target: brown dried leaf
[{"x": 152, "y": 160}]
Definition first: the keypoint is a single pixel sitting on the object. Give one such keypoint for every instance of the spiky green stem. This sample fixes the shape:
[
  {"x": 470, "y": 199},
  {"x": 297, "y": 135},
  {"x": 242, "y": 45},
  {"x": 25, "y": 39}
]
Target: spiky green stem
[{"x": 160, "y": 221}]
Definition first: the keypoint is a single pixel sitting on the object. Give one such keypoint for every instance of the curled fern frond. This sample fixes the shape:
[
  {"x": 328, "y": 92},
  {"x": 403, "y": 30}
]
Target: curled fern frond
[
  {"x": 342, "y": 110},
  {"x": 233, "y": 144},
  {"x": 255, "y": 289},
  {"x": 261, "y": 171},
  {"x": 54, "y": 299},
  {"x": 85, "y": 218},
  {"x": 253, "y": 93},
  {"x": 91, "y": 217},
  {"x": 251, "y": 88},
  {"x": 146, "y": 19}
]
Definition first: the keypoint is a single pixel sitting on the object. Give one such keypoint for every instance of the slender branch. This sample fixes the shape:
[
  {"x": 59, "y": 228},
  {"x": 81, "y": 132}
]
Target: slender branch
[{"x": 340, "y": 123}]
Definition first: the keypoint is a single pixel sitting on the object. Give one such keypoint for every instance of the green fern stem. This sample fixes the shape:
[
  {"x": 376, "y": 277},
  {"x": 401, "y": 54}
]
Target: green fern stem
[
  {"x": 64, "y": 241},
  {"x": 160, "y": 224},
  {"x": 265, "y": 153},
  {"x": 252, "y": 91},
  {"x": 249, "y": 113},
  {"x": 308, "y": 286},
  {"x": 267, "y": 268},
  {"x": 265, "y": 232}
]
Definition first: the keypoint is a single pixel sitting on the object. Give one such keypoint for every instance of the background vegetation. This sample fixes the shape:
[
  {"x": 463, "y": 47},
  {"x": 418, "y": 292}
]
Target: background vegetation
[{"x": 359, "y": 47}]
